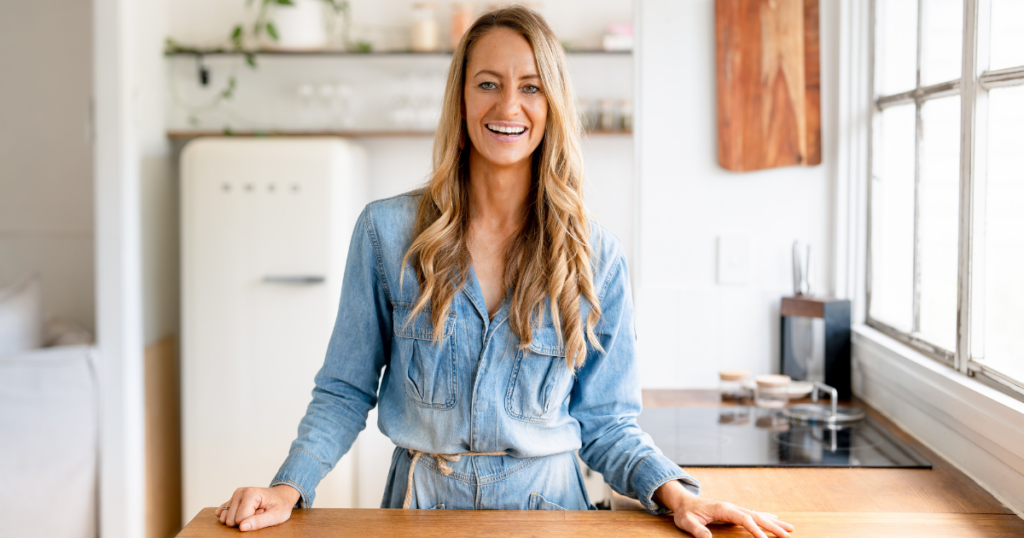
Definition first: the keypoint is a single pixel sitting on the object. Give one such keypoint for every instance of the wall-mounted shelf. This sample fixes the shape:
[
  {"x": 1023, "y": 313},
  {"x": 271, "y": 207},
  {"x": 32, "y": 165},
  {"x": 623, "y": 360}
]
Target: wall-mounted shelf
[
  {"x": 186, "y": 51},
  {"x": 184, "y": 135}
]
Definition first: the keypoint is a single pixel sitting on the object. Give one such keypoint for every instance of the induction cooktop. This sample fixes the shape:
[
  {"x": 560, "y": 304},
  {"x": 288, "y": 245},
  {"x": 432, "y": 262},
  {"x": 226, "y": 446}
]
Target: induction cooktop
[{"x": 743, "y": 436}]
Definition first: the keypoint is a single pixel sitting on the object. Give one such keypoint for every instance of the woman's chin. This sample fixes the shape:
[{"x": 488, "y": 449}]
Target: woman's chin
[{"x": 504, "y": 157}]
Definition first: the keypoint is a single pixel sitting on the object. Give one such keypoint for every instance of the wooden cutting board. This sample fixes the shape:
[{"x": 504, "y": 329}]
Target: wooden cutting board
[{"x": 769, "y": 111}]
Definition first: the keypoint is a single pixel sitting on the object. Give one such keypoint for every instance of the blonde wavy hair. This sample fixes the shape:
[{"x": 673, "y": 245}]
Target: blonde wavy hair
[{"x": 550, "y": 255}]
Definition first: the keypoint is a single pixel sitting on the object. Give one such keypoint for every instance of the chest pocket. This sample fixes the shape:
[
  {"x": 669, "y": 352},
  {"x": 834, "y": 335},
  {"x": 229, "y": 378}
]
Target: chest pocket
[
  {"x": 430, "y": 367},
  {"x": 540, "y": 380}
]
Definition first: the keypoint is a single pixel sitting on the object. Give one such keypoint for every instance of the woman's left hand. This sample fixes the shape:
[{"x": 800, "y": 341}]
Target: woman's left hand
[{"x": 693, "y": 513}]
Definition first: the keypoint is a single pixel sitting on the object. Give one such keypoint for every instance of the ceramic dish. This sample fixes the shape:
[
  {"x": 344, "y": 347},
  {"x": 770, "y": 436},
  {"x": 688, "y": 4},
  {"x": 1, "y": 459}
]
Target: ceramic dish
[{"x": 796, "y": 389}]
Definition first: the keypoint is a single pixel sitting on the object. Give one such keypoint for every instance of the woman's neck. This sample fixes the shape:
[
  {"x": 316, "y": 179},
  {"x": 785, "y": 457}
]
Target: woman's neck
[{"x": 497, "y": 194}]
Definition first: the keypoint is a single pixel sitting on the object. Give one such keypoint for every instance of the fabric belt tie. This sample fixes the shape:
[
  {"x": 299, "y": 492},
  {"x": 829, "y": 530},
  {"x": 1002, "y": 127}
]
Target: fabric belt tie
[{"x": 442, "y": 465}]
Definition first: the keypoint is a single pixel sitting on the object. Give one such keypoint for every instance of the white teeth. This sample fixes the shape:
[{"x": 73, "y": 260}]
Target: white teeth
[{"x": 506, "y": 130}]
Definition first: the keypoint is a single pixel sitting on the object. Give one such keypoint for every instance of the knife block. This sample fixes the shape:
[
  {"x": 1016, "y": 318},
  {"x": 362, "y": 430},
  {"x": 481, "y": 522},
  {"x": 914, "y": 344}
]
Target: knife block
[{"x": 816, "y": 341}]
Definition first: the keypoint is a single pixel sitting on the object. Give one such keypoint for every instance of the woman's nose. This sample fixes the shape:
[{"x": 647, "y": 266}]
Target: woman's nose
[{"x": 509, "y": 104}]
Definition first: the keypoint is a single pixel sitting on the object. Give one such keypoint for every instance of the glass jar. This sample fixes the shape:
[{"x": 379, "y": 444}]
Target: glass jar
[
  {"x": 730, "y": 384},
  {"x": 462, "y": 19},
  {"x": 772, "y": 391},
  {"x": 605, "y": 115},
  {"x": 424, "y": 28},
  {"x": 586, "y": 115},
  {"x": 626, "y": 113}
]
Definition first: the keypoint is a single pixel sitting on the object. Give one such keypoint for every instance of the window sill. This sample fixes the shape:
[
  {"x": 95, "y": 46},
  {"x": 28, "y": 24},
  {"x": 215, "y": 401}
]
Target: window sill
[{"x": 977, "y": 428}]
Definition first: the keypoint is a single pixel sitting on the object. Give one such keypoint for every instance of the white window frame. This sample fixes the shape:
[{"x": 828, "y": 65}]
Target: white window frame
[{"x": 973, "y": 86}]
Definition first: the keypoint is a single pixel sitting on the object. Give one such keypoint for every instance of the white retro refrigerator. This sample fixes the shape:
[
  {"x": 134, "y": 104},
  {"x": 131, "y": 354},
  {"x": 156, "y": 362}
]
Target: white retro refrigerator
[{"x": 266, "y": 225}]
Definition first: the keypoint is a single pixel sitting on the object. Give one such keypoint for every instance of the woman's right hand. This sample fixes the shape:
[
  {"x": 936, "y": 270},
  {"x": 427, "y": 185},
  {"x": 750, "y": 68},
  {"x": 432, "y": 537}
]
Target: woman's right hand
[{"x": 256, "y": 508}]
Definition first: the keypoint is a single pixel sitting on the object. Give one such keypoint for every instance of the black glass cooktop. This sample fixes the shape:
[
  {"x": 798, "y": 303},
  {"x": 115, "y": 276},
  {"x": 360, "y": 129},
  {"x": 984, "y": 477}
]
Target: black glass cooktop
[{"x": 743, "y": 436}]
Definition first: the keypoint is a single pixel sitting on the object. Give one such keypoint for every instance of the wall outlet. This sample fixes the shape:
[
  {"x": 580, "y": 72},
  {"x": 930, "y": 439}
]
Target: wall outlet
[{"x": 733, "y": 259}]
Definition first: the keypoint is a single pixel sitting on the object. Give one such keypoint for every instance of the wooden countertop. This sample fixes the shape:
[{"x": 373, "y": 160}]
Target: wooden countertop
[
  {"x": 832, "y": 503},
  {"x": 334, "y": 522}
]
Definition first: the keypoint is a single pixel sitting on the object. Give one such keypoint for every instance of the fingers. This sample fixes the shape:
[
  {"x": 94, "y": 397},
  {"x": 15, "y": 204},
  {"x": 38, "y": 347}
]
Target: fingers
[
  {"x": 770, "y": 522},
  {"x": 229, "y": 518},
  {"x": 231, "y": 504},
  {"x": 692, "y": 525},
  {"x": 748, "y": 523},
  {"x": 252, "y": 500},
  {"x": 263, "y": 519},
  {"x": 771, "y": 525}
]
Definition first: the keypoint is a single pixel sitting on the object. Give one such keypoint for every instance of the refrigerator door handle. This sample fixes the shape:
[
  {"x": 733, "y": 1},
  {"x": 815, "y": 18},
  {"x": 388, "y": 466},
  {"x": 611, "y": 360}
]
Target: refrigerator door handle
[{"x": 300, "y": 280}]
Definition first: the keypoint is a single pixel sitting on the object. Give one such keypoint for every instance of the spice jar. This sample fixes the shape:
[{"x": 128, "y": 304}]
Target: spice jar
[
  {"x": 586, "y": 115},
  {"x": 730, "y": 384},
  {"x": 626, "y": 112},
  {"x": 605, "y": 115},
  {"x": 772, "y": 391},
  {"x": 462, "y": 19},
  {"x": 424, "y": 28}
]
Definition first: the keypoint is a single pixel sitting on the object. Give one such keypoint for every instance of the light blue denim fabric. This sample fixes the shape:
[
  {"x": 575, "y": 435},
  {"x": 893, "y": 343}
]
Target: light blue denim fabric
[{"x": 475, "y": 391}]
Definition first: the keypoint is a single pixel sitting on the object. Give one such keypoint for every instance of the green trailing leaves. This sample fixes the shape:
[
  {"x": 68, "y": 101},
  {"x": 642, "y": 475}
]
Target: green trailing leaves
[
  {"x": 272, "y": 31},
  {"x": 229, "y": 91},
  {"x": 236, "y": 37}
]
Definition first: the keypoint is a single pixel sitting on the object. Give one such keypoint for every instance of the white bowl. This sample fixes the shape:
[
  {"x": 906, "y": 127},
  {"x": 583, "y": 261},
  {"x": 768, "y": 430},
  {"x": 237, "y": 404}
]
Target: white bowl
[{"x": 796, "y": 389}]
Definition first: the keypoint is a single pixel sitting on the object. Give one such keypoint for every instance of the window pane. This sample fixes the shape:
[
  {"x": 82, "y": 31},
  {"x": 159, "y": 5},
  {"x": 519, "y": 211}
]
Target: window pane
[
  {"x": 892, "y": 218},
  {"x": 941, "y": 50},
  {"x": 896, "y": 46},
  {"x": 1007, "y": 34},
  {"x": 939, "y": 193},
  {"x": 1004, "y": 233}
]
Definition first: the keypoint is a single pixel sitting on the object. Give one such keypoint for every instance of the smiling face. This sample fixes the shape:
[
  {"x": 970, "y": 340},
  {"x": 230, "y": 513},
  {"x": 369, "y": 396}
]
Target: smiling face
[{"x": 505, "y": 106}]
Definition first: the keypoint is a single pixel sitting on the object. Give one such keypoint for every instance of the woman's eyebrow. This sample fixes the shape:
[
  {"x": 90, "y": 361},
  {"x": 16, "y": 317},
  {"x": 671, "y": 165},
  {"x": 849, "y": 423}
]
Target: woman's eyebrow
[
  {"x": 498, "y": 75},
  {"x": 487, "y": 72}
]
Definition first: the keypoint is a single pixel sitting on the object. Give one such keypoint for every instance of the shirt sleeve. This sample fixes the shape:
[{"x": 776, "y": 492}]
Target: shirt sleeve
[
  {"x": 606, "y": 400},
  {"x": 346, "y": 386}
]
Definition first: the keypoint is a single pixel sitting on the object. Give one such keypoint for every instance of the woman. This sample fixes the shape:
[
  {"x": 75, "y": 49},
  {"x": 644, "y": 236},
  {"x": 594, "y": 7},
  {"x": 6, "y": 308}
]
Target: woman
[{"x": 499, "y": 315}]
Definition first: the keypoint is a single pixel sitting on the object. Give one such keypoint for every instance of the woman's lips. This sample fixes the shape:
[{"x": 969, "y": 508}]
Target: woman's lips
[{"x": 506, "y": 132}]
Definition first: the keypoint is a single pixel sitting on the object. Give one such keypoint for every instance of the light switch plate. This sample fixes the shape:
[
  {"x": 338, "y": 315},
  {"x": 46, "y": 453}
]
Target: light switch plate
[{"x": 733, "y": 259}]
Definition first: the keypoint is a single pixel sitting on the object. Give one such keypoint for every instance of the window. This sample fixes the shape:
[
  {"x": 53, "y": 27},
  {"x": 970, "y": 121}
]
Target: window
[{"x": 946, "y": 196}]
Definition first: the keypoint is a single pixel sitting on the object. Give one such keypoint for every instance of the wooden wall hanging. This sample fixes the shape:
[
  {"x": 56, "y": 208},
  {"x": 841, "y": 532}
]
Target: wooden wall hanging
[{"x": 769, "y": 96}]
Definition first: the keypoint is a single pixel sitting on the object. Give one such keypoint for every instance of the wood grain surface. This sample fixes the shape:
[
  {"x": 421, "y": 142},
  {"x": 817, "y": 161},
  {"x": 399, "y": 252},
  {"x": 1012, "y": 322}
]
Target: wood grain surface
[
  {"x": 769, "y": 112},
  {"x": 163, "y": 440},
  {"x": 811, "y": 307},
  {"x": 334, "y": 522},
  {"x": 821, "y": 503}
]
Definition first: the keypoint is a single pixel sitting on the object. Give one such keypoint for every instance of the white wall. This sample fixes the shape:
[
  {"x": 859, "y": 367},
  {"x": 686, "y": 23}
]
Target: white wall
[
  {"x": 385, "y": 23},
  {"x": 158, "y": 182},
  {"x": 689, "y": 326},
  {"x": 267, "y": 99},
  {"x": 400, "y": 164},
  {"x": 46, "y": 183}
]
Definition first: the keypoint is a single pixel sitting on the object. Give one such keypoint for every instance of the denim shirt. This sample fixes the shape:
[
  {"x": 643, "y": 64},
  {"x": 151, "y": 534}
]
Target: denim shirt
[{"x": 474, "y": 391}]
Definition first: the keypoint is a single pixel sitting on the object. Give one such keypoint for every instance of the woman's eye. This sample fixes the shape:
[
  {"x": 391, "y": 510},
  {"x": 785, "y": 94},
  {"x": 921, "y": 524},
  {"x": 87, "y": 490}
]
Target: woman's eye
[
  {"x": 488, "y": 85},
  {"x": 531, "y": 89}
]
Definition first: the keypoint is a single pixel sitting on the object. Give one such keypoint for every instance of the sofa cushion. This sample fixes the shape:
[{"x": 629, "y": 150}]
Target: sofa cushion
[{"x": 21, "y": 316}]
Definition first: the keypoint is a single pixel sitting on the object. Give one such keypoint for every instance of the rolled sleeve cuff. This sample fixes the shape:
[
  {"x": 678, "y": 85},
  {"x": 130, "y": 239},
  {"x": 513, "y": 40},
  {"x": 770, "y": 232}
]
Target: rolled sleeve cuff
[
  {"x": 651, "y": 473},
  {"x": 302, "y": 471}
]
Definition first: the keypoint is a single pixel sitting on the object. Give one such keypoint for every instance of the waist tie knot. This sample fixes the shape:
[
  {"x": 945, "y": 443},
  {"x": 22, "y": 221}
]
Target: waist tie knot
[{"x": 442, "y": 465}]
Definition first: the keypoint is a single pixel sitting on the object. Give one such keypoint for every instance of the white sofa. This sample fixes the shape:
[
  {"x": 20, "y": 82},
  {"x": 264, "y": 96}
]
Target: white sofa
[{"x": 49, "y": 443}]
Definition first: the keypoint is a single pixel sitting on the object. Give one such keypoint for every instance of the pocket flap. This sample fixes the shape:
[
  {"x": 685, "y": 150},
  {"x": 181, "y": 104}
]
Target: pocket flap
[
  {"x": 546, "y": 341},
  {"x": 420, "y": 327}
]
